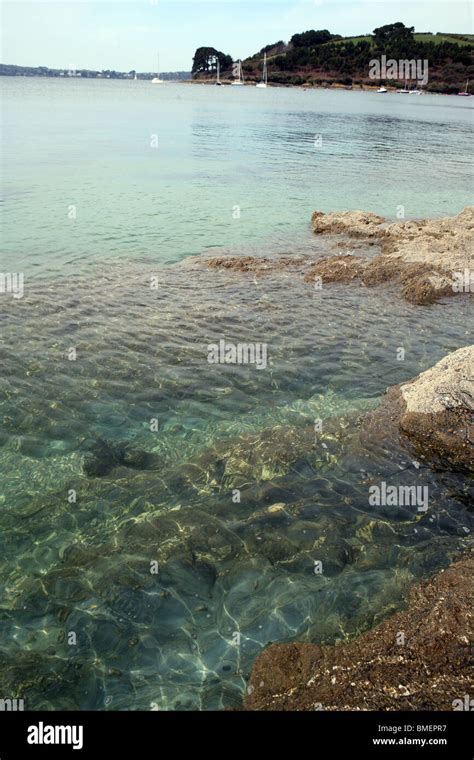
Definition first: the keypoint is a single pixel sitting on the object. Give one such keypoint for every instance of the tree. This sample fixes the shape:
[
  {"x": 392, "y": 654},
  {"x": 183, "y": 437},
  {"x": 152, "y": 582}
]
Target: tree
[
  {"x": 204, "y": 60},
  {"x": 278, "y": 46},
  {"x": 312, "y": 37},
  {"x": 393, "y": 33}
]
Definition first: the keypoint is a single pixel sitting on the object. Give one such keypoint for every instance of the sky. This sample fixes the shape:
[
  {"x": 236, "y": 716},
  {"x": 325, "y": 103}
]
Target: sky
[{"x": 128, "y": 34}]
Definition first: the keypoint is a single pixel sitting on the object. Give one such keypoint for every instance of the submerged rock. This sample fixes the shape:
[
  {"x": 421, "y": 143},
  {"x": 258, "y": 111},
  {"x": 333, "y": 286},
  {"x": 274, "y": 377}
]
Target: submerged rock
[
  {"x": 256, "y": 264},
  {"x": 100, "y": 461},
  {"x": 104, "y": 456},
  {"x": 337, "y": 269},
  {"x": 418, "y": 659}
]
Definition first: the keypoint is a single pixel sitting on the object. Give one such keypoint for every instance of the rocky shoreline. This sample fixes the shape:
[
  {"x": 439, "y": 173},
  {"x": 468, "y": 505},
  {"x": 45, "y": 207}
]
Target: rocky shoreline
[
  {"x": 418, "y": 659},
  {"x": 330, "y": 84}
]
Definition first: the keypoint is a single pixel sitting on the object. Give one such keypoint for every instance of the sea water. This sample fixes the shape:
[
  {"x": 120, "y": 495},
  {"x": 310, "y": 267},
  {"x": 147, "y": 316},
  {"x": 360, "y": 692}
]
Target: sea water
[{"x": 163, "y": 517}]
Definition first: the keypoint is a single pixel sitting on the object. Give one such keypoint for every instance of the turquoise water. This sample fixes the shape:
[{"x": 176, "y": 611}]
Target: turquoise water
[
  {"x": 88, "y": 144},
  {"x": 130, "y": 454}
]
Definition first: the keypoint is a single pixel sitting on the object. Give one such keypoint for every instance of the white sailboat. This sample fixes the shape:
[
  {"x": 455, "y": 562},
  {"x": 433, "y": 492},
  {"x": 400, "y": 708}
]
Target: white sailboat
[
  {"x": 465, "y": 93},
  {"x": 157, "y": 80},
  {"x": 405, "y": 90},
  {"x": 240, "y": 81},
  {"x": 218, "y": 80},
  {"x": 264, "y": 81}
]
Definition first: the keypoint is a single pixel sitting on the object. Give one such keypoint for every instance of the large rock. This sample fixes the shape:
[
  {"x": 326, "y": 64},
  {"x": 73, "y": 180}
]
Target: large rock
[
  {"x": 428, "y": 259},
  {"x": 438, "y": 412},
  {"x": 432, "y": 414}
]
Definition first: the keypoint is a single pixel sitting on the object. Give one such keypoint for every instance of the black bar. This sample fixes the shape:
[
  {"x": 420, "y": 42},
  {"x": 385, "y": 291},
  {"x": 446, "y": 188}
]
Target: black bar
[{"x": 319, "y": 734}]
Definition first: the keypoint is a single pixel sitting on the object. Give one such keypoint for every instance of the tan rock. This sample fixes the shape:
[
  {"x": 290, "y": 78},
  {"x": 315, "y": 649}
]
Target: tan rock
[
  {"x": 428, "y": 258},
  {"x": 447, "y": 243},
  {"x": 449, "y": 384},
  {"x": 352, "y": 223},
  {"x": 276, "y": 507},
  {"x": 438, "y": 414}
]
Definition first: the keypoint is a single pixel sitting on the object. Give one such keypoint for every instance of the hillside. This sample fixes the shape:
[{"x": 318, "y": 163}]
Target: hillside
[{"x": 320, "y": 58}]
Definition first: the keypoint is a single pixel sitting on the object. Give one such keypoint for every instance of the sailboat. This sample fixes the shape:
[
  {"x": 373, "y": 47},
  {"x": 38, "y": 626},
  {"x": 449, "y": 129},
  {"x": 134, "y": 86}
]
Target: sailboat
[
  {"x": 240, "y": 81},
  {"x": 218, "y": 80},
  {"x": 465, "y": 93},
  {"x": 415, "y": 91},
  {"x": 264, "y": 81},
  {"x": 405, "y": 90},
  {"x": 157, "y": 80}
]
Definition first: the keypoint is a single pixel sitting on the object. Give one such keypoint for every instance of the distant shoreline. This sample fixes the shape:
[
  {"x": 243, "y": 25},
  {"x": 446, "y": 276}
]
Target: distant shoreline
[
  {"x": 229, "y": 82},
  {"x": 328, "y": 86}
]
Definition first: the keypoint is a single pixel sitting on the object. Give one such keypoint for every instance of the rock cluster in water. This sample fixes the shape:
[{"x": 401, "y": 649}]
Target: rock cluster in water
[{"x": 429, "y": 259}]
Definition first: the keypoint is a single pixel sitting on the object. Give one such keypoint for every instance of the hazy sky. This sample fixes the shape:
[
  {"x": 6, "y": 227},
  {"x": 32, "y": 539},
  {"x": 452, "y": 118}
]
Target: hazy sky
[{"x": 125, "y": 35}]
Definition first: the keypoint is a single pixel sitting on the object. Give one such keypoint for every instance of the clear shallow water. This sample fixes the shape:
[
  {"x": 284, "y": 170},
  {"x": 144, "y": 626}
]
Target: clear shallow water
[{"x": 226, "y": 569}]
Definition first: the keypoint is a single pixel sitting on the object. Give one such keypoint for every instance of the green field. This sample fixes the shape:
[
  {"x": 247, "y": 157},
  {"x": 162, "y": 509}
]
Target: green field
[
  {"x": 460, "y": 39},
  {"x": 457, "y": 39},
  {"x": 360, "y": 38}
]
